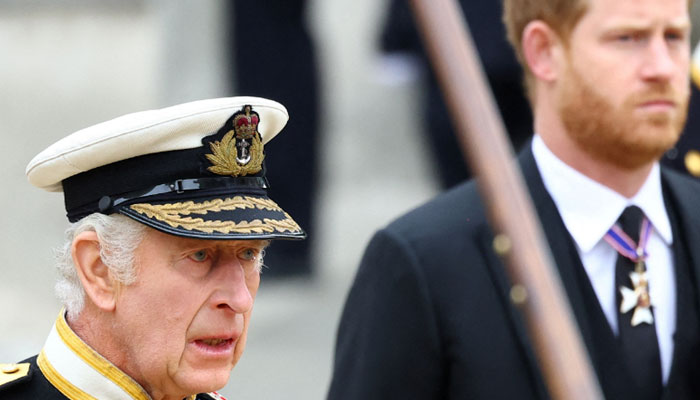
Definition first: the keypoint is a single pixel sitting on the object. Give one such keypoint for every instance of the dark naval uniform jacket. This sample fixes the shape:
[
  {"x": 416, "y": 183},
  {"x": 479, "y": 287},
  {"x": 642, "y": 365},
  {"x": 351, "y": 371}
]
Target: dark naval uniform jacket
[
  {"x": 67, "y": 368},
  {"x": 429, "y": 316}
]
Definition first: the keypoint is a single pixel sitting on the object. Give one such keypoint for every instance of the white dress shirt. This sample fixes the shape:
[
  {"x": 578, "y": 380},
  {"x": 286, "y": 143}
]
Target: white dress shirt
[{"x": 588, "y": 210}]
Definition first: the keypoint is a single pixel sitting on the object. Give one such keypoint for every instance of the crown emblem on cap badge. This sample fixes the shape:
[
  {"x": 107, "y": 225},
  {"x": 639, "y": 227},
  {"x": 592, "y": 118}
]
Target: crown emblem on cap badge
[{"x": 240, "y": 151}]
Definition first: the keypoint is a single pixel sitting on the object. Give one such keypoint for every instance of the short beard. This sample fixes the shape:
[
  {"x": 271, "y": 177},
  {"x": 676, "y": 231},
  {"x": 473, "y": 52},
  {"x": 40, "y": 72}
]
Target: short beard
[{"x": 615, "y": 135}]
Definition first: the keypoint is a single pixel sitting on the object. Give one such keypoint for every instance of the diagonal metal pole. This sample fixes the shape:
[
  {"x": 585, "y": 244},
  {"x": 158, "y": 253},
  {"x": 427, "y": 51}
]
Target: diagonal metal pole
[{"x": 537, "y": 288}]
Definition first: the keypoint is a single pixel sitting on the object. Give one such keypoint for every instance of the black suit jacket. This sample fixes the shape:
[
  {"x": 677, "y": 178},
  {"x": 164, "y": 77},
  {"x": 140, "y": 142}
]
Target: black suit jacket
[{"x": 429, "y": 317}]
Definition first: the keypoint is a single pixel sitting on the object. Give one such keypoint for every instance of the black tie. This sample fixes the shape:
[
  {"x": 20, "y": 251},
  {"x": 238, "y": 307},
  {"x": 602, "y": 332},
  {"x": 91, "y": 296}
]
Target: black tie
[{"x": 638, "y": 343}]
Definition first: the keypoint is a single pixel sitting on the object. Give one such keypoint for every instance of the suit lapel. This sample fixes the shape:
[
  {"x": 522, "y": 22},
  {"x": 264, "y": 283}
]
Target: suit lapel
[
  {"x": 563, "y": 255},
  {"x": 502, "y": 282},
  {"x": 597, "y": 335},
  {"x": 563, "y": 251}
]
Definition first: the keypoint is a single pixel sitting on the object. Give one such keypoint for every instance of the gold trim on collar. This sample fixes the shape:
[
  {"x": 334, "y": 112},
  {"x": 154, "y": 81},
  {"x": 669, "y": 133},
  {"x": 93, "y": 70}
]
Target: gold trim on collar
[
  {"x": 68, "y": 389},
  {"x": 96, "y": 361},
  {"x": 177, "y": 214}
]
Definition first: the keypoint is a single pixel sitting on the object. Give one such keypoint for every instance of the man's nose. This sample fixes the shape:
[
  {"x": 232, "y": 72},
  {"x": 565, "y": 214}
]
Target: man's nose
[
  {"x": 232, "y": 287},
  {"x": 660, "y": 62}
]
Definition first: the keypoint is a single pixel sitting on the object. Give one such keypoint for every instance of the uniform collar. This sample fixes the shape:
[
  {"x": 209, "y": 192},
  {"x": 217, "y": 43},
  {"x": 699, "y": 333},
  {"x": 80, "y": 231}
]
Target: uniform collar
[
  {"x": 588, "y": 208},
  {"x": 79, "y": 372}
]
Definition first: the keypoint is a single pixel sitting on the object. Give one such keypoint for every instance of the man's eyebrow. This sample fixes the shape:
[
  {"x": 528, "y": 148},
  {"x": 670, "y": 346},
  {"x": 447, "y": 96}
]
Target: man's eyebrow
[{"x": 681, "y": 23}]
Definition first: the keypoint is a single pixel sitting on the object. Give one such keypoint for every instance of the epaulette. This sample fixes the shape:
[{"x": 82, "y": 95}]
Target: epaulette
[
  {"x": 210, "y": 395},
  {"x": 12, "y": 372}
]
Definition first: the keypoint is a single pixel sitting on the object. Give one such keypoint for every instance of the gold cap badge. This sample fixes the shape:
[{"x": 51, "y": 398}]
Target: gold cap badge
[{"x": 240, "y": 151}]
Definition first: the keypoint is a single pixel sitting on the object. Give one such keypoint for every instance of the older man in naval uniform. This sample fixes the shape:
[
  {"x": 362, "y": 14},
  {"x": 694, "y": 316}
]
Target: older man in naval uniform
[
  {"x": 170, "y": 218},
  {"x": 429, "y": 315}
]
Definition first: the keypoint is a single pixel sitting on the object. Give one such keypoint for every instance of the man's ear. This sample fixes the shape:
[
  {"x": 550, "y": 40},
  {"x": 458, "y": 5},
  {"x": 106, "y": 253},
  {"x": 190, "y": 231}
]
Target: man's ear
[
  {"x": 541, "y": 46},
  {"x": 99, "y": 286}
]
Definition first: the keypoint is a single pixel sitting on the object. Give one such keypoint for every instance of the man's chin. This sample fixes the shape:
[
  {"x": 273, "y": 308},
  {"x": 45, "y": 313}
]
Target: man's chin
[
  {"x": 204, "y": 380},
  {"x": 627, "y": 143},
  {"x": 631, "y": 156},
  {"x": 657, "y": 140}
]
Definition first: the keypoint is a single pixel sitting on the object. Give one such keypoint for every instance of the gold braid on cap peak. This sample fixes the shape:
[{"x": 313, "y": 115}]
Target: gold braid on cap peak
[{"x": 177, "y": 214}]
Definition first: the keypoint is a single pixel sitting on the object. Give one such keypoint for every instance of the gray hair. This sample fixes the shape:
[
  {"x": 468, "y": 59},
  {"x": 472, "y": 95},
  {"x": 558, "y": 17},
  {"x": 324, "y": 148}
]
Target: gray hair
[{"x": 119, "y": 237}]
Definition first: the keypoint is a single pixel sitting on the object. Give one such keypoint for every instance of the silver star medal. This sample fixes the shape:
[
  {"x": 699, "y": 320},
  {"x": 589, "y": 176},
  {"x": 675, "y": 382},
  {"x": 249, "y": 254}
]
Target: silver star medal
[{"x": 637, "y": 298}]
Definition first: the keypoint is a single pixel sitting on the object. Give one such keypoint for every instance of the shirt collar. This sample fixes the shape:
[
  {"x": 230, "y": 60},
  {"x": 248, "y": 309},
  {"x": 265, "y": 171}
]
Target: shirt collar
[
  {"x": 589, "y": 208},
  {"x": 79, "y": 372}
]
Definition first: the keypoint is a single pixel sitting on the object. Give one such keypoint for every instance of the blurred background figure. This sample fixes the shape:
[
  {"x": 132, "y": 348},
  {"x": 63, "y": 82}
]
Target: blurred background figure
[
  {"x": 685, "y": 156},
  {"x": 399, "y": 36},
  {"x": 273, "y": 55}
]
